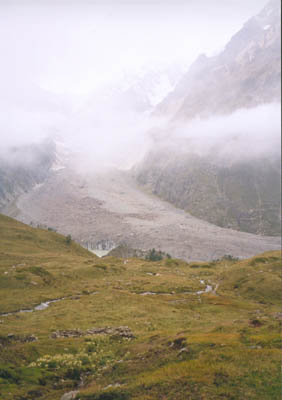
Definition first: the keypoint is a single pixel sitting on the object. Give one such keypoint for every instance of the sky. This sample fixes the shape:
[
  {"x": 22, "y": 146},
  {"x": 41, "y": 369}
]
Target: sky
[
  {"x": 75, "y": 46},
  {"x": 57, "y": 55}
]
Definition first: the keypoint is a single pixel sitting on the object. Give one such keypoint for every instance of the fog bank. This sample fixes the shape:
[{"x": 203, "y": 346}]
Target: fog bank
[{"x": 244, "y": 134}]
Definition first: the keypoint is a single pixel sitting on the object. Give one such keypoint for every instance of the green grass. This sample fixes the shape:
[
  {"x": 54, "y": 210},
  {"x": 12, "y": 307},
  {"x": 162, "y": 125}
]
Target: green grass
[{"x": 232, "y": 338}]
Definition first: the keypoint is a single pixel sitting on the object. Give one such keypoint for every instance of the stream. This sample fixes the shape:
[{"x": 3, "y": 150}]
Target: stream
[
  {"x": 207, "y": 289},
  {"x": 45, "y": 304},
  {"x": 40, "y": 307}
]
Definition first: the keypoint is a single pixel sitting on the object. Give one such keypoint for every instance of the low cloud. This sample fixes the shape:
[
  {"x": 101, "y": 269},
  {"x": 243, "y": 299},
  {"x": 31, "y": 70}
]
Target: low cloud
[
  {"x": 245, "y": 134},
  {"x": 111, "y": 134}
]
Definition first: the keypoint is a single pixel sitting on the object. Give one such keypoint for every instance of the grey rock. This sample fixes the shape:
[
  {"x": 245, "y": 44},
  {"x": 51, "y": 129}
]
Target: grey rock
[
  {"x": 121, "y": 331},
  {"x": 70, "y": 395},
  {"x": 183, "y": 351}
]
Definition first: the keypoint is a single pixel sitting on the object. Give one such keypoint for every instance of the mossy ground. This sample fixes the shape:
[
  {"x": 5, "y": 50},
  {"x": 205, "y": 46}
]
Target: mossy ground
[{"x": 223, "y": 345}]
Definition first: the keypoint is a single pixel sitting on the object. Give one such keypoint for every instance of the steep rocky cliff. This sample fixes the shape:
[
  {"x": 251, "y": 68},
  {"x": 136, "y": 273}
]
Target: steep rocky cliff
[
  {"x": 245, "y": 74},
  {"x": 23, "y": 167},
  {"x": 242, "y": 195}
]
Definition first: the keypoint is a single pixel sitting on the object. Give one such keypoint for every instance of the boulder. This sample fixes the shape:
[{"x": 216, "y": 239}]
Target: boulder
[{"x": 70, "y": 395}]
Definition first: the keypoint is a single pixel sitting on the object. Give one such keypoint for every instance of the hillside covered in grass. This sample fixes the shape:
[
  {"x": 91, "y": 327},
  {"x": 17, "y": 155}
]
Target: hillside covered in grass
[{"x": 132, "y": 328}]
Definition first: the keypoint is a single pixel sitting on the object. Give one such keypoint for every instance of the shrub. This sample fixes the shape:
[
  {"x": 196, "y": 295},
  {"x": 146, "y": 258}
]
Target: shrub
[
  {"x": 9, "y": 374},
  {"x": 154, "y": 255},
  {"x": 68, "y": 239},
  {"x": 170, "y": 262},
  {"x": 73, "y": 373}
]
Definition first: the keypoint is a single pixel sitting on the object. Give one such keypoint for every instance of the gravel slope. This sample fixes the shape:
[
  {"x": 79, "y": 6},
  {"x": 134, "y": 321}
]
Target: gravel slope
[{"x": 108, "y": 208}]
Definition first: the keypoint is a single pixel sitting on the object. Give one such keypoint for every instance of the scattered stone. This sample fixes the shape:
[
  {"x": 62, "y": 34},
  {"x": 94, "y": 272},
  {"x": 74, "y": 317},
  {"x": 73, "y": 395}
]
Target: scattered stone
[
  {"x": 70, "y": 395},
  {"x": 178, "y": 343},
  {"x": 23, "y": 339},
  {"x": 120, "y": 331},
  {"x": 256, "y": 323},
  {"x": 277, "y": 315},
  {"x": 115, "y": 385},
  {"x": 30, "y": 338},
  {"x": 67, "y": 333},
  {"x": 208, "y": 289},
  {"x": 182, "y": 352},
  {"x": 147, "y": 293}
]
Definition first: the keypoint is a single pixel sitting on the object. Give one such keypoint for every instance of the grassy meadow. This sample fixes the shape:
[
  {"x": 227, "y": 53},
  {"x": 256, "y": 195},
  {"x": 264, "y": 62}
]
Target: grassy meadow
[{"x": 220, "y": 344}]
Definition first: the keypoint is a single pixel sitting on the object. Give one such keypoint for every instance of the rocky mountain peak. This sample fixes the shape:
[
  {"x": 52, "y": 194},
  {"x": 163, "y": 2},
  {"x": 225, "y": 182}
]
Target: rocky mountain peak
[{"x": 245, "y": 74}]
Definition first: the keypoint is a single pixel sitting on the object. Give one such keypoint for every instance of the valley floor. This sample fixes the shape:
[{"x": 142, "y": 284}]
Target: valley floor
[
  {"x": 134, "y": 329},
  {"x": 110, "y": 208}
]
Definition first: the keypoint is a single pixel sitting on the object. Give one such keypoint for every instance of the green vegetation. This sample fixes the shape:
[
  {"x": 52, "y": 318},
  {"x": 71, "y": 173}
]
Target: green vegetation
[
  {"x": 224, "y": 344},
  {"x": 68, "y": 239},
  {"x": 154, "y": 255}
]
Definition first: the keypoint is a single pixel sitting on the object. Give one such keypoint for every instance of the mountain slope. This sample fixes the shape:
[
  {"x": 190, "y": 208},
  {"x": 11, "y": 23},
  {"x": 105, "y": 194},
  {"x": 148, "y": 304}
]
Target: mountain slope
[
  {"x": 247, "y": 73},
  {"x": 243, "y": 195},
  {"x": 105, "y": 209},
  {"x": 209, "y": 164},
  {"x": 22, "y": 167}
]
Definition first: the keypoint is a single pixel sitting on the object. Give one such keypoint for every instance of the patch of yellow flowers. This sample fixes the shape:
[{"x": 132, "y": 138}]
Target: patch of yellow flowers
[
  {"x": 67, "y": 360},
  {"x": 61, "y": 360}
]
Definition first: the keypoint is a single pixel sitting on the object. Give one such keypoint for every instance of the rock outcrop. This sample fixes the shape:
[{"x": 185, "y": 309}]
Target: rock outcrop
[
  {"x": 222, "y": 182},
  {"x": 11, "y": 337},
  {"x": 21, "y": 168},
  {"x": 245, "y": 74},
  {"x": 244, "y": 195},
  {"x": 121, "y": 331}
]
